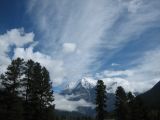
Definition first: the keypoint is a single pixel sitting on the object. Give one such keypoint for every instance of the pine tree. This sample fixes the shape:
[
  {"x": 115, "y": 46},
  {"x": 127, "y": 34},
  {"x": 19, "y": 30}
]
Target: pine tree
[
  {"x": 34, "y": 92},
  {"x": 122, "y": 109},
  {"x": 101, "y": 99},
  {"x": 130, "y": 97},
  {"x": 11, "y": 82},
  {"x": 27, "y": 80},
  {"x": 47, "y": 94},
  {"x": 13, "y": 76},
  {"x": 40, "y": 93},
  {"x": 130, "y": 100},
  {"x": 27, "y": 84}
]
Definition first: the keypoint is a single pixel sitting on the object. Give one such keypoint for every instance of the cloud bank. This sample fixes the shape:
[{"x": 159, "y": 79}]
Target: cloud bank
[
  {"x": 14, "y": 37},
  {"x": 62, "y": 103}
]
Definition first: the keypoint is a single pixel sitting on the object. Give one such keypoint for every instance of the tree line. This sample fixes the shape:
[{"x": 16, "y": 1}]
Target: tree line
[{"x": 127, "y": 106}]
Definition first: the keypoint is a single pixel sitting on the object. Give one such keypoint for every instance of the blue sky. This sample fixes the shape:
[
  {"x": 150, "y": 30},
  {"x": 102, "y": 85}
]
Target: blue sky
[{"x": 75, "y": 37}]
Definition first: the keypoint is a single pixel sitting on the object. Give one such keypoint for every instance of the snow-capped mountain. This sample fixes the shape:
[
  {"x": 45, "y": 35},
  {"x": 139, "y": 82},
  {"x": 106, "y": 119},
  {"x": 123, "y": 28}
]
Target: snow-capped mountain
[
  {"x": 111, "y": 84},
  {"x": 85, "y": 82},
  {"x": 85, "y": 89},
  {"x": 88, "y": 83},
  {"x": 82, "y": 89}
]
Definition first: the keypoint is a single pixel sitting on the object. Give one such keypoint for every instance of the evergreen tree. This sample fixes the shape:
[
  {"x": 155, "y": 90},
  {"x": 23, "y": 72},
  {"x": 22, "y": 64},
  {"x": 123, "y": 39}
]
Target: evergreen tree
[
  {"x": 101, "y": 99},
  {"x": 27, "y": 81},
  {"x": 27, "y": 84},
  {"x": 130, "y": 100},
  {"x": 122, "y": 109},
  {"x": 27, "y": 92},
  {"x": 11, "y": 83},
  {"x": 13, "y": 76},
  {"x": 47, "y": 93},
  {"x": 40, "y": 91},
  {"x": 35, "y": 93},
  {"x": 130, "y": 97}
]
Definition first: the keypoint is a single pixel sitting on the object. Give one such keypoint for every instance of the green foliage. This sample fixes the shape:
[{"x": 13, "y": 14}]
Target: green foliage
[{"x": 101, "y": 99}]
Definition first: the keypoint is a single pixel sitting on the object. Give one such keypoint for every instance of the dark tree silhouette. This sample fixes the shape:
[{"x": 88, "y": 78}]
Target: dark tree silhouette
[
  {"x": 26, "y": 92},
  {"x": 139, "y": 112},
  {"x": 101, "y": 99},
  {"x": 122, "y": 109},
  {"x": 11, "y": 83}
]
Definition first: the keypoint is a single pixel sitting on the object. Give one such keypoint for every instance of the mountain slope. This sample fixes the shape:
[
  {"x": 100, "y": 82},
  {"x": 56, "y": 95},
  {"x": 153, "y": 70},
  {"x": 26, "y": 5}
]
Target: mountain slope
[{"x": 151, "y": 98}]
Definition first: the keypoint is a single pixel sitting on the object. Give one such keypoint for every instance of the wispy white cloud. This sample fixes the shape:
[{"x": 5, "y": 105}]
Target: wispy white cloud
[
  {"x": 139, "y": 78},
  {"x": 115, "y": 64},
  {"x": 91, "y": 26},
  {"x": 69, "y": 47},
  {"x": 80, "y": 22},
  {"x": 112, "y": 73},
  {"x": 147, "y": 72}
]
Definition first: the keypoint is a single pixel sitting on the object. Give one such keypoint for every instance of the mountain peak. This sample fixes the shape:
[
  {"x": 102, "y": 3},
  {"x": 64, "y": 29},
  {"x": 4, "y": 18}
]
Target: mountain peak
[
  {"x": 87, "y": 82},
  {"x": 111, "y": 84}
]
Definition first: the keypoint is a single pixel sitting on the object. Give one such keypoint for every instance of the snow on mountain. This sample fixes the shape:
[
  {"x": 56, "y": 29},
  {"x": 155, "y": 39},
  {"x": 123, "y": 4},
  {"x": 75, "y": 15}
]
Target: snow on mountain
[
  {"x": 71, "y": 85},
  {"x": 84, "y": 89},
  {"x": 88, "y": 82},
  {"x": 85, "y": 82},
  {"x": 111, "y": 84}
]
